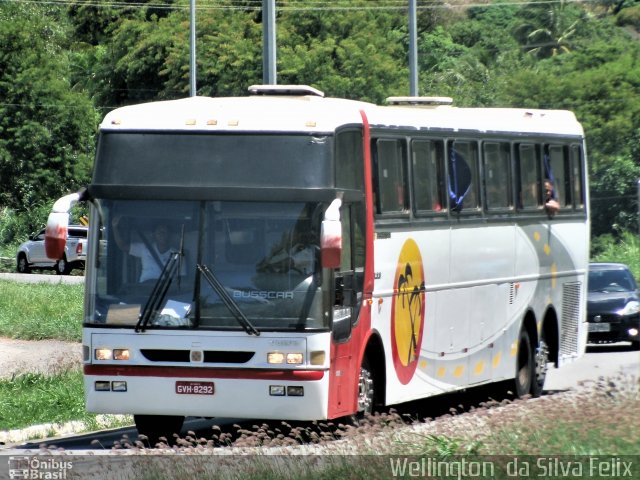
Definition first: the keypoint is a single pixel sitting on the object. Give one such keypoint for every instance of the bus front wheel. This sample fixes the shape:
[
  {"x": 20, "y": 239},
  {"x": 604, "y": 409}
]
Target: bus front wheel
[
  {"x": 155, "y": 427},
  {"x": 366, "y": 389}
]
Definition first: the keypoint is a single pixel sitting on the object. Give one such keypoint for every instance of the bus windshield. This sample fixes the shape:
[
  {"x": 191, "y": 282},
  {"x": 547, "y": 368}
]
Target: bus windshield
[{"x": 264, "y": 255}]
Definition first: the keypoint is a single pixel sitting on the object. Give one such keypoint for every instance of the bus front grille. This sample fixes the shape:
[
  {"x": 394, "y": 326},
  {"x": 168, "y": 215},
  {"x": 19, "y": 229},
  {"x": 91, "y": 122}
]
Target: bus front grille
[{"x": 210, "y": 356}]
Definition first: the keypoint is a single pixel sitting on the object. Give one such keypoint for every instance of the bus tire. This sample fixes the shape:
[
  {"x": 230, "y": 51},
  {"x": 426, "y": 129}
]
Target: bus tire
[
  {"x": 366, "y": 389},
  {"x": 155, "y": 427},
  {"x": 525, "y": 370},
  {"x": 541, "y": 365}
]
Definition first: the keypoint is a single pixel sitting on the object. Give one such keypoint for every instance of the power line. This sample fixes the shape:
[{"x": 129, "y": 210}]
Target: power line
[{"x": 303, "y": 5}]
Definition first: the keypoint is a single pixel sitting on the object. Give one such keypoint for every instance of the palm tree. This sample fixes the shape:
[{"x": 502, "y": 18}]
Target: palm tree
[{"x": 548, "y": 35}]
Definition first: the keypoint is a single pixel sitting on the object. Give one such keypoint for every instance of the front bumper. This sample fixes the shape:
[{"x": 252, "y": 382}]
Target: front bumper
[{"x": 611, "y": 329}]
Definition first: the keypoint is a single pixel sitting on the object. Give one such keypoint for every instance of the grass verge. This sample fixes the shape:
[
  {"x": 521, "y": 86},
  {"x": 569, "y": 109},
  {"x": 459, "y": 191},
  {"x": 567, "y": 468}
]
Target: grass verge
[
  {"x": 34, "y": 399},
  {"x": 37, "y": 311},
  {"x": 30, "y": 399}
]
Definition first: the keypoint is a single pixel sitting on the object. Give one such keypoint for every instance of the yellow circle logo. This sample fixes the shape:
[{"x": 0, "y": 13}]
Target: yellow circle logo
[{"x": 408, "y": 308}]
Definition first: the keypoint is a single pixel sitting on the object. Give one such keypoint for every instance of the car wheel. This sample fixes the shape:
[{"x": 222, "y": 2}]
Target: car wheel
[
  {"x": 22, "y": 265},
  {"x": 525, "y": 370},
  {"x": 62, "y": 266}
]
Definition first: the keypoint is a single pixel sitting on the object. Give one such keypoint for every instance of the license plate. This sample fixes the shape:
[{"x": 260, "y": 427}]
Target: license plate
[
  {"x": 599, "y": 327},
  {"x": 194, "y": 388}
]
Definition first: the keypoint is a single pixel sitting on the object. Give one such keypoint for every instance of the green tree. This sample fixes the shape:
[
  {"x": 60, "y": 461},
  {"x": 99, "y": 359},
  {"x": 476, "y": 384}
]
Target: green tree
[
  {"x": 348, "y": 51},
  {"x": 614, "y": 197},
  {"x": 45, "y": 129}
]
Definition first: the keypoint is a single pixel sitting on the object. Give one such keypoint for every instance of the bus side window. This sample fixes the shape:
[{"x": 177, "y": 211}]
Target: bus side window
[
  {"x": 557, "y": 170},
  {"x": 575, "y": 154},
  {"x": 390, "y": 177},
  {"x": 428, "y": 175},
  {"x": 528, "y": 176},
  {"x": 349, "y": 160},
  {"x": 496, "y": 158},
  {"x": 463, "y": 175}
]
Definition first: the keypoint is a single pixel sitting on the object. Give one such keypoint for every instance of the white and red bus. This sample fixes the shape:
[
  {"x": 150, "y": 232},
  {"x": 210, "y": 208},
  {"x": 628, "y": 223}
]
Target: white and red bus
[{"x": 327, "y": 256}]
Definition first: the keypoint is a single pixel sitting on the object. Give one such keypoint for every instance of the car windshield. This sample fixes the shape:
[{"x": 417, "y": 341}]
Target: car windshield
[
  {"x": 264, "y": 255},
  {"x": 614, "y": 280}
]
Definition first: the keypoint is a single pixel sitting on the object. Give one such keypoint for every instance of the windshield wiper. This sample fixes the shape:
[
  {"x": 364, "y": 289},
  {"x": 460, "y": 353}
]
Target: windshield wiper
[
  {"x": 227, "y": 300},
  {"x": 159, "y": 292}
]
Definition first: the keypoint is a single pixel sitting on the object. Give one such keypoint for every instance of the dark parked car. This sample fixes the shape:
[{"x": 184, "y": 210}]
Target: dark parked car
[{"x": 613, "y": 306}]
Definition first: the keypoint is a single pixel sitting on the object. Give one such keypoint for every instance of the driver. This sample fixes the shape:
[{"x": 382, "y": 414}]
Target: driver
[{"x": 153, "y": 254}]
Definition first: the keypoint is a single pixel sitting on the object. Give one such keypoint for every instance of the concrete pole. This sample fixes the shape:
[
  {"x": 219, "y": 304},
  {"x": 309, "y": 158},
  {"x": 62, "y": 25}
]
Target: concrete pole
[
  {"x": 192, "y": 49},
  {"x": 269, "y": 42},
  {"x": 413, "y": 50}
]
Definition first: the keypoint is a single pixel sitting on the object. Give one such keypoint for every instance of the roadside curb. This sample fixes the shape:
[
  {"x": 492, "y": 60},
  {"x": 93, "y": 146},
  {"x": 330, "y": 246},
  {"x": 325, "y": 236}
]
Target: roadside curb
[{"x": 42, "y": 278}]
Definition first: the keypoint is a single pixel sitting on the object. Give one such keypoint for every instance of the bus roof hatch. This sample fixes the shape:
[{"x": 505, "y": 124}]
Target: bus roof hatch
[
  {"x": 420, "y": 101},
  {"x": 284, "y": 90}
]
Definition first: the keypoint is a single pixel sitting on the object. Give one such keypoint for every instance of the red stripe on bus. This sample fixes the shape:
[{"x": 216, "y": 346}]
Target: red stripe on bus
[
  {"x": 182, "y": 372},
  {"x": 368, "y": 189}
]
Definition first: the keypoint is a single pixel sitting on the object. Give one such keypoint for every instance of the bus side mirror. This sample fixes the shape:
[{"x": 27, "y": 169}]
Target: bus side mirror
[
  {"x": 55, "y": 235},
  {"x": 331, "y": 236}
]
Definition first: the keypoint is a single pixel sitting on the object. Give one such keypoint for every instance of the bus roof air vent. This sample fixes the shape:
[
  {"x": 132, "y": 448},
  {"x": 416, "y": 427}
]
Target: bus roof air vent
[
  {"x": 420, "y": 101},
  {"x": 284, "y": 90}
]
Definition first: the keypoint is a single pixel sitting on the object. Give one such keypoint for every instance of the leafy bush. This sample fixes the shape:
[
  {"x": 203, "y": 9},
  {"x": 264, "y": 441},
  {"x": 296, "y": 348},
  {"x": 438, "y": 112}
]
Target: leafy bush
[
  {"x": 15, "y": 226},
  {"x": 629, "y": 16},
  {"x": 626, "y": 249}
]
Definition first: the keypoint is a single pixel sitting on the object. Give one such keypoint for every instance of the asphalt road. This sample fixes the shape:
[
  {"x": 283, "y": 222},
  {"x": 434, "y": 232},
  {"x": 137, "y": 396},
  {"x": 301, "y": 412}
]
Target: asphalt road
[{"x": 599, "y": 361}]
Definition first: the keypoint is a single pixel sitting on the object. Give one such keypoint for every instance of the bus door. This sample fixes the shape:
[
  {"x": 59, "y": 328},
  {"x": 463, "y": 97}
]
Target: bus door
[{"x": 346, "y": 298}]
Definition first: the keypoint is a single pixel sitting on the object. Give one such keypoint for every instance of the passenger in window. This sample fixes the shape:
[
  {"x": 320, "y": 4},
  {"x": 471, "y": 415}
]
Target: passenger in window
[{"x": 551, "y": 204}]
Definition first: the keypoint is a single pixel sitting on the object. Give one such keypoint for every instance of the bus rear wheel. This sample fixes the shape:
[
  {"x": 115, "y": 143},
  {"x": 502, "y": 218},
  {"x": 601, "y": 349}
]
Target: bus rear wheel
[
  {"x": 155, "y": 427},
  {"x": 541, "y": 366},
  {"x": 525, "y": 370}
]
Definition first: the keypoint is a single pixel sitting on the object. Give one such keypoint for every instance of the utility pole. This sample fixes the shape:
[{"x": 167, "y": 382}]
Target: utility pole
[
  {"x": 269, "y": 42},
  {"x": 192, "y": 49},
  {"x": 413, "y": 50}
]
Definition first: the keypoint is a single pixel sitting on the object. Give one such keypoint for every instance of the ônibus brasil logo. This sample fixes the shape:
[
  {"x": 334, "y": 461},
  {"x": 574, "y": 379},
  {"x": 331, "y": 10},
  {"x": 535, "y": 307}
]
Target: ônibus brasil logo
[
  {"x": 37, "y": 467},
  {"x": 407, "y": 312}
]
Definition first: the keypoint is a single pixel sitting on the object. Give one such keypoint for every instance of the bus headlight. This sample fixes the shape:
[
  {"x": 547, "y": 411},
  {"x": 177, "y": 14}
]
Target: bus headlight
[
  {"x": 119, "y": 386},
  {"x": 121, "y": 354},
  {"x": 295, "y": 358},
  {"x": 104, "y": 354},
  {"x": 276, "y": 390},
  {"x": 112, "y": 354},
  {"x": 275, "y": 357},
  {"x": 102, "y": 386}
]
